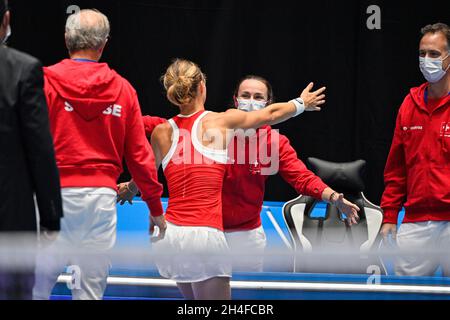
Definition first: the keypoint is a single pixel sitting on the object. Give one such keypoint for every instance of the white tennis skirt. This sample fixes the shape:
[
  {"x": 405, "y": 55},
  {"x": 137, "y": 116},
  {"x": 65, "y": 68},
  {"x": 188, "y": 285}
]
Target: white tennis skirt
[{"x": 192, "y": 254}]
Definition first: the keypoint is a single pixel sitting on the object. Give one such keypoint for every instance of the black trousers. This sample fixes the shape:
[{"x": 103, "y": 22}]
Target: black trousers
[{"x": 16, "y": 285}]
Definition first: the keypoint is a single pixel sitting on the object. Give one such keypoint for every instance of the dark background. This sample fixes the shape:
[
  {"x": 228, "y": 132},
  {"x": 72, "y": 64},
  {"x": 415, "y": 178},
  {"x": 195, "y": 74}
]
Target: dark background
[{"x": 367, "y": 72}]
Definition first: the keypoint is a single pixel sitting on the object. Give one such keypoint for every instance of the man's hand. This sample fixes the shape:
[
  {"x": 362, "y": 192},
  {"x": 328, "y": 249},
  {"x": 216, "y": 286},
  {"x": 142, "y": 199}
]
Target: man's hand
[
  {"x": 313, "y": 100},
  {"x": 47, "y": 237},
  {"x": 388, "y": 229},
  {"x": 126, "y": 192},
  {"x": 160, "y": 222},
  {"x": 349, "y": 209}
]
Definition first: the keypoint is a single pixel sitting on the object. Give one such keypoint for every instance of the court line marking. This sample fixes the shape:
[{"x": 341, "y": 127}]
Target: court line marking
[{"x": 278, "y": 285}]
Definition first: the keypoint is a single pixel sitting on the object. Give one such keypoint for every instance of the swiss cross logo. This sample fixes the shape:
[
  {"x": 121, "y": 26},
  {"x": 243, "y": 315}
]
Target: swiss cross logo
[
  {"x": 255, "y": 167},
  {"x": 445, "y": 129}
]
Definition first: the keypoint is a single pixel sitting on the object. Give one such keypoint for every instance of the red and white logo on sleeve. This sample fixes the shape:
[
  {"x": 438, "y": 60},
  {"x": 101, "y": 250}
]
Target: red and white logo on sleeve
[{"x": 445, "y": 129}]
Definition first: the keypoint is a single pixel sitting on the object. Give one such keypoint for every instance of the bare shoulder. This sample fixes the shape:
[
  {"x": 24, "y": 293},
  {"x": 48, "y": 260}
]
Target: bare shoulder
[
  {"x": 162, "y": 133},
  {"x": 165, "y": 126}
]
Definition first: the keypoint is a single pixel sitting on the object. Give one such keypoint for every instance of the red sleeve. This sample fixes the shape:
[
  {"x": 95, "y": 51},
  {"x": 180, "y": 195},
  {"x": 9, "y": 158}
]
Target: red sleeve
[
  {"x": 150, "y": 124},
  {"x": 294, "y": 172},
  {"x": 394, "y": 193},
  {"x": 141, "y": 161}
]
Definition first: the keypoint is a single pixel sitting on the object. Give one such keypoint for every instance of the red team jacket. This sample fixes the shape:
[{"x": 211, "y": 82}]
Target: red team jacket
[
  {"x": 244, "y": 184},
  {"x": 95, "y": 121},
  {"x": 417, "y": 172}
]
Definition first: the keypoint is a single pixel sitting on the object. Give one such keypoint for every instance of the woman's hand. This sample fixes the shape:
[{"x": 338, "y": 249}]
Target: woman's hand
[
  {"x": 313, "y": 100},
  {"x": 159, "y": 222},
  {"x": 346, "y": 207}
]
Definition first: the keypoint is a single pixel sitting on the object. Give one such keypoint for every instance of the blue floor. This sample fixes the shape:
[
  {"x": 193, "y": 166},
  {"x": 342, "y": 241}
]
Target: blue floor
[{"x": 132, "y": 231}]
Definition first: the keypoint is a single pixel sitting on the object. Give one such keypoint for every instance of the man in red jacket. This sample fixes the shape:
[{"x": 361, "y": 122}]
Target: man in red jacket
[
  {"x": 417, "y": 172},
  {"x": 95, "y": 121}
]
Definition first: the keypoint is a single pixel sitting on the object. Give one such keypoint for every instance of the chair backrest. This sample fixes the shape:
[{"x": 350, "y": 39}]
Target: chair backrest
[{"x": 318, "y": 227}]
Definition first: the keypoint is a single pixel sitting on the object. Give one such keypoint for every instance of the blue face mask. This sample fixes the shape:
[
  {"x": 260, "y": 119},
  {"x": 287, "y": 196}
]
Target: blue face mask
[
  {"x": 432, "y": 68},
  {"x": 250, "y": 105}
]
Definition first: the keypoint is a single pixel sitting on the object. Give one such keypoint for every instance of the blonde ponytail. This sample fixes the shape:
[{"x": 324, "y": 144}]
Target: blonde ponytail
[{"x": 181, "y": 81}]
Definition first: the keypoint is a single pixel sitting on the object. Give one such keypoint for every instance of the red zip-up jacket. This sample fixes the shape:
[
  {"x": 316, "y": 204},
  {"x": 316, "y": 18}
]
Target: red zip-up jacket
[
  {"x": 244, "y": 185},
  {"x": 96, "y": 121},
  {"x": 417, "y": 172}
]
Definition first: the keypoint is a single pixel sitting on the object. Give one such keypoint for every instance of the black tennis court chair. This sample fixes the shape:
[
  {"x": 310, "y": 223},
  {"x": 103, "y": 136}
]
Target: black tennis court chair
[{"x": 325, "y": 243}]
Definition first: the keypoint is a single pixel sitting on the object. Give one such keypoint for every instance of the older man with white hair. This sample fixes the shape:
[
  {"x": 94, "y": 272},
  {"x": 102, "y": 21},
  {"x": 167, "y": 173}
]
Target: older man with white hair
[{"x": 95, "y": 121}]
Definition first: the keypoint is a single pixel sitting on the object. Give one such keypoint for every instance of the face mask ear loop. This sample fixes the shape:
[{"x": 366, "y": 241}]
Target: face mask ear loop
[
  {"x": 236, "y": 103},
  {"x": 448, "y": 67}
]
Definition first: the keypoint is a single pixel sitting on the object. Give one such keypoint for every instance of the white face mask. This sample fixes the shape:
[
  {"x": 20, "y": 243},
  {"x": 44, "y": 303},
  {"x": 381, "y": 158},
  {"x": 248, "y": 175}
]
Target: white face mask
[
  {"x": 432, "y": 68},
  {"x": 250, "y": 104},
  {"x": 8, "y": 34}
]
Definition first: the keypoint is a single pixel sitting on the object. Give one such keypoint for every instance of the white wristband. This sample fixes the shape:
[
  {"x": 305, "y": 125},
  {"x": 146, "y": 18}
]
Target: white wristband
[{"x": 299, "y": 105}]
